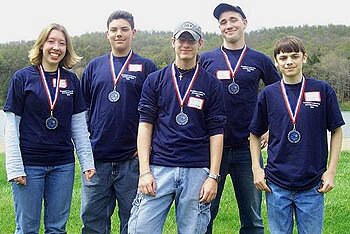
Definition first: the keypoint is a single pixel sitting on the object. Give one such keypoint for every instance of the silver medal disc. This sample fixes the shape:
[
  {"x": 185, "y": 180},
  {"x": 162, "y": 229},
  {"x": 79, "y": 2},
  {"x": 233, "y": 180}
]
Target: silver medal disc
[
  {"x": 181, "y": 119},
  {"x": 233, "y": 88},
  {"x": 113, "y": 96},
  {"x": 294, "y": 136},
  {"x": 51, "y": 123}
]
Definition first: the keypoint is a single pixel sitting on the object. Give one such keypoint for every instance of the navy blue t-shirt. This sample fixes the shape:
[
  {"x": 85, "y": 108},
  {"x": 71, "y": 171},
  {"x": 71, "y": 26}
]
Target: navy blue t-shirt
[
  {"x": 239, "y": 107},
  {"x": 27, "y": 98},
  {"x": 113, "y": 126},
  {"x": 188, "y": 145},
  {"x": 297, "y": 166}
]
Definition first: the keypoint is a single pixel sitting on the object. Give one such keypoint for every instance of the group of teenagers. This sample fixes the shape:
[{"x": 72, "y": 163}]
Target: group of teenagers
[{"x": 147, "y": 137}]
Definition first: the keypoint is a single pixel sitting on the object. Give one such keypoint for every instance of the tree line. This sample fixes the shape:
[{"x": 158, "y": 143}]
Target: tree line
[{"x": 328, "y": 48}]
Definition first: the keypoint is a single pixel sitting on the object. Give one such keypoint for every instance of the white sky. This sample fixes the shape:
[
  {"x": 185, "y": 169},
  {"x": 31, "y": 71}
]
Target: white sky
[{"x": 24, "y": 19}]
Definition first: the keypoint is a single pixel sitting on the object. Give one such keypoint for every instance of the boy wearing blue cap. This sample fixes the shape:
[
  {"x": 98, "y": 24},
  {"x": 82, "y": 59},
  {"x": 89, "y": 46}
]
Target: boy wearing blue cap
[
  {"x": 240, "y": 70},
  {"x": 180, "y": 140},
  {"x": 297, "y": 111}
]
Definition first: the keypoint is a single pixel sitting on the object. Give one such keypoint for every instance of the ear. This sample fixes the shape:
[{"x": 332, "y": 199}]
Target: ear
[
  {"x": 173, "y": 42},
  {"x": 133, "y": 34},
  {"x": 276, "y": 63},
  {"x": 305, "y": 58},
  {"x": 201, "y": 42}
]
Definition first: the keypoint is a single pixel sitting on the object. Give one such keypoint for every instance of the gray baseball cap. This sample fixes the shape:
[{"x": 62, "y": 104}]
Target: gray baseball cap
[{"x": 188, "y": 26}]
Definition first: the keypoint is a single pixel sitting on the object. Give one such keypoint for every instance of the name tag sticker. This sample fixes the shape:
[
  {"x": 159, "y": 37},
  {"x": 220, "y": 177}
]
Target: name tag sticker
[
  {"x": 63, "y": 83},
  {"x": 312, "y": 96},
  {"x": 135, "y": 67},
  {"x": 223, "y": 74},
  {"x": 195, "y": 103}
]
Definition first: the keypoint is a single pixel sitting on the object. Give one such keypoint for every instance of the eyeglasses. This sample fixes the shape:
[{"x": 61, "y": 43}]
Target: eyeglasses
[{"x": 182, "y": 40}]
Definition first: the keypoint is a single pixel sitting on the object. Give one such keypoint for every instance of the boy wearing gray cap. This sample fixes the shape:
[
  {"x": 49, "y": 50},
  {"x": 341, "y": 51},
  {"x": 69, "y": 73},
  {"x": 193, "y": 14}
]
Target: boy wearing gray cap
[
  {"x": 180, "y": 140},
  {"x": 239, "y": 69}
]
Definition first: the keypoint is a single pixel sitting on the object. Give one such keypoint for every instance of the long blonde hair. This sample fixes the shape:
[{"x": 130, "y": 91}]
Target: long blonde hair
[{"x": 36, "y": 53}]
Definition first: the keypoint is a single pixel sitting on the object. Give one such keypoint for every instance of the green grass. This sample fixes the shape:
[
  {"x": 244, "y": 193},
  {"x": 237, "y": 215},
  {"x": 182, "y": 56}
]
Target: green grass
[
  {"x": 337, "y": 204},
  {"x": 345, "y": 106}
]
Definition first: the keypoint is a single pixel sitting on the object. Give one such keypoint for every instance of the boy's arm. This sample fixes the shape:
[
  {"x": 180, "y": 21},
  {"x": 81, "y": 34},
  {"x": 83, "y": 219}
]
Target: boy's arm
[
  {"x": 210, "y": 186},
  {"x": 147, "y": 184},
  {"x": 328, "y": 176},
  {"x": 258, "y": 172}
]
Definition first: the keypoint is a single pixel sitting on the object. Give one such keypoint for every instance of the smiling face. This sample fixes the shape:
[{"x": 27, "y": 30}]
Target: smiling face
[
  {"x": 232, "y": 26},
  {"x": 120, "y": 35},
  {"x": 54, "y": 49},
  {"x": 186, "y": 49},
  {"x": 291, "y": 65}
]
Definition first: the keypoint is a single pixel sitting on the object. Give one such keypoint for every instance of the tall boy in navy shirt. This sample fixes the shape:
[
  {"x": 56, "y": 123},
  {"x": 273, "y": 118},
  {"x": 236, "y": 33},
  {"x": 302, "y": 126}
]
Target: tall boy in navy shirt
[
  {"x": 297, "y": 111},
  {"x": 112, "y": 85},
  {"x": 239, "y": 69},
  {"x": 180, "y": 140}
]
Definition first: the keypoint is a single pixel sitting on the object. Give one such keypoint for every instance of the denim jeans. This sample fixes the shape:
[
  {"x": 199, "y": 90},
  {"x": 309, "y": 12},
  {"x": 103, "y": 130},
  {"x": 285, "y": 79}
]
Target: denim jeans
[
  {"x": 54, "y": 186},
  {"x": 172, "y": 183},
  {"x": 307, "y": 206},
  {"x": 237, "y": 163},
  {"x": 112, "y": 182}
]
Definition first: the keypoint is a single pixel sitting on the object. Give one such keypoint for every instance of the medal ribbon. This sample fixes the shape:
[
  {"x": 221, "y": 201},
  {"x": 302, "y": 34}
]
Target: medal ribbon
[
  {"x": 194, "y": 77},
  {"x": 293, "y": 117},
  {"x": 114, "y": 78},
  {"x": 238, "y": 64},
  {"x": 46, "y": 87}
]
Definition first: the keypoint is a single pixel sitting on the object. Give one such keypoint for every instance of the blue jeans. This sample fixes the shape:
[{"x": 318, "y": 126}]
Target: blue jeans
[
  {"x": 172, "y": 183},
  {"x": 237, "y": 163},
  {"x": 307, "y": 206},
  {"x": 54, "y": 186},
  {"x": 112, "y": 181}
]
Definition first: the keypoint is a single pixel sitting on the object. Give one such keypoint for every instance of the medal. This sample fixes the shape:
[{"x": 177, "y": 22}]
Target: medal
[
  {"x": 233, "y": 88},
  {"x": 293, "y": 136},
  {"x": 114, "y": 95},
  {"x": 182, "y": 118},
  {"x": 51, "y": 122}
]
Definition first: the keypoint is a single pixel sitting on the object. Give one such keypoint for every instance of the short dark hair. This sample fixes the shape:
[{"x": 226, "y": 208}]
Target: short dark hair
[
  {"x": 289, "y": 44},
  {"x": 121, "y": 15}
]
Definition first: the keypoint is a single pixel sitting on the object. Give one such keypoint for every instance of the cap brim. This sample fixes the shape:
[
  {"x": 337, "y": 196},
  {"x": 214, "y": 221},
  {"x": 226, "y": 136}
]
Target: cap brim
[{"x": 193, "y": 33}]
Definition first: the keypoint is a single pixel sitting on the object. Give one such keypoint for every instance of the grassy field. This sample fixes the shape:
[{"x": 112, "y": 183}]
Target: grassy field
[{"x": 337, "y": 205}]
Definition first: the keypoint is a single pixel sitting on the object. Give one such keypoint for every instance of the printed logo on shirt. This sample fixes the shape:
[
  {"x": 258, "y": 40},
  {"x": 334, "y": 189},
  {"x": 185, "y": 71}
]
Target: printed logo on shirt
[
  {"x": 128, "y": 77},
  {"x": 312, "y": 99},
  {"x": 197, "y": 93},
  {"x": 223, "y": 74},
  {"x": 63, "y": 83},
  {"x": 247, "y": 68},
  {"x": 135, "y": 67},
  {"x": 195, "y": 103},
  {"x": 67, "y": 92}
]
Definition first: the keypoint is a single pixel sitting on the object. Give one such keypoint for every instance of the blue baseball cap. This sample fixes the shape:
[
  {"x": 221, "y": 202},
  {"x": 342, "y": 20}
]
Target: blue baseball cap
[{"x": 223, "y": 7}]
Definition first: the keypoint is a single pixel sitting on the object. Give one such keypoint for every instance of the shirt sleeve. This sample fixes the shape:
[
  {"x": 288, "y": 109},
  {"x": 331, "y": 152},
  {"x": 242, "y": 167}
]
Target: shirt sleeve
[
  {"x": 216, "y": 118},
  {"x": 15, "y": 95},
  {"x": 148, "y": 105},
  {"x": 334, "y": 116},
  {"x": 81, "y": 141},
  {"x": 270, "y": 74},
  {"x": 14, "y": 162},
  {"x": 259, "y": 123}
]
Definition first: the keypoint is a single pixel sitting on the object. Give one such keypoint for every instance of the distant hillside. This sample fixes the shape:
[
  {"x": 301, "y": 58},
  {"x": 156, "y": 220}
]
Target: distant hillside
[{"x": 328, "y": 48}]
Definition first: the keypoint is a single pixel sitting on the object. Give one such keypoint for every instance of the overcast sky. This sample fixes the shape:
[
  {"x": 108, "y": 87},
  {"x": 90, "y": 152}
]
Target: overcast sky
[{"x": 24, "y": 19}]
